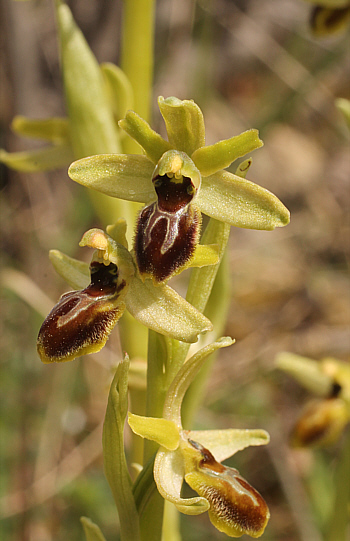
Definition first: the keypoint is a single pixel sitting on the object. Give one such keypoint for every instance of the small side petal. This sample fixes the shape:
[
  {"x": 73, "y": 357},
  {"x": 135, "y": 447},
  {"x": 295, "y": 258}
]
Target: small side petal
[
  {"x": 213, "y": 158},
  {"x": 239, "y": 202},
  {"x": 184, "y": 123},
  {"x": 165, "y": 311},
  {"x": 225, "y": 443},
  {"x": 118, "y": 175},
  {"x": 162, "y": 431},
  {"x": 153, "y": 144},
  {"x": 44, "y": 159},
  {"x": 168, "y": 475},
  {"x": 76, "y": 273}
]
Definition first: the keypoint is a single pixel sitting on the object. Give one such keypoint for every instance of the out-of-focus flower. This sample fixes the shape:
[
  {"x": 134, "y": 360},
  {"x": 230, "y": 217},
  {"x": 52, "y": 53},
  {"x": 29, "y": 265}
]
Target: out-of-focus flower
[
  {"x": 329, "y": 17},
  {"x": 233, "y": 505},
  {"x": 323, "y": 419},
  {"x": 177, "y": 180}
]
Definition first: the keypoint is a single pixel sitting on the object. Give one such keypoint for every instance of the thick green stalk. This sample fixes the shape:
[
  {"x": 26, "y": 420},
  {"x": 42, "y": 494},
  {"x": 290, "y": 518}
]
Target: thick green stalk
[
  {"x": 137, "y": 56},
  {"x": 339, "y": 523}
]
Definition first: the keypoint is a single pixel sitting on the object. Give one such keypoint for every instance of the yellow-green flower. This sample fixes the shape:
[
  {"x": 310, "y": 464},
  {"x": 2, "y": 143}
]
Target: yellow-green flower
[
  {"x": 233, "y": 505},
  {"x": 176, "y": 180},
  {"x": 324, "y": 418},
  {"x": 82, "y": 320}
]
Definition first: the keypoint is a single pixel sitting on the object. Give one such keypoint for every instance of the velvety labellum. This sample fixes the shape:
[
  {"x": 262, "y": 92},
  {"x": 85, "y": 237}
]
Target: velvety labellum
[
  {"x": 167, "y": 230},
  {"x": 81, "y": 321},
  {"x": 235, "y": 506}
]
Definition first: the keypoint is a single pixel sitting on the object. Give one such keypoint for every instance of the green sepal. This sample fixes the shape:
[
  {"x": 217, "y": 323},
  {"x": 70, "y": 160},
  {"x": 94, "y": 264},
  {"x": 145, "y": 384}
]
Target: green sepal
[
  {"x": 115, "y": 464},
  {"x": 152, "y": 143},
  {"x": 227, "y": 442},
  {"x": 184, "y": 123},
  {"x": 213, "y": 158},
  {"x": 239, "y": 202},
  {"x": 76, "y": 273},
  {"x": 55, "y": 130},
  {"x": 91, "y": 530},
  {"x": 44, "y": 159},
  {"x": 119, "y": 89},
  {"x": 306, "y": 371},
  {"x": 126, "y": 176},
  {"x": 185, "y": 376},
  {"x": 92, "y": 126},
  {"x": 162, "y": 431},
  {"x": 165, "y": 311}
]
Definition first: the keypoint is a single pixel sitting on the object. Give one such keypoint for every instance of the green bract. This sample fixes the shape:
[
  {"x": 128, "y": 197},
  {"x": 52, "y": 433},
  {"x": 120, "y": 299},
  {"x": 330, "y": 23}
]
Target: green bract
[
  {"x": 234, "y": 506},
  {"x": 221, "y": 195}
]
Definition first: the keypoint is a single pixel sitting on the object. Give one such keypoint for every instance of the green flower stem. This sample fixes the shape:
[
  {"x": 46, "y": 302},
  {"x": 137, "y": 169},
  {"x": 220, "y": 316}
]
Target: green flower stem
[
  {"x": 339, "y": 521},
  {"x": 137, "y": 56}
]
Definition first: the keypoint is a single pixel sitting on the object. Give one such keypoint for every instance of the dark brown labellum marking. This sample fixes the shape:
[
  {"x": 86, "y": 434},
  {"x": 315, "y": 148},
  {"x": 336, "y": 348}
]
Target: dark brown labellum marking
[
  {"x": 82, "y": 320},
  {"x": 167, "y": 231}
]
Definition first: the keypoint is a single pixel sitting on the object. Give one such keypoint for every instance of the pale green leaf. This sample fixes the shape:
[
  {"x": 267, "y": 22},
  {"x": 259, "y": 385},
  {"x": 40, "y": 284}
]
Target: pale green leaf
[
  {"x": 55, "y": 130},
  {"x": 184, "y": 123},
  {"x": 43, "y": 159},
  {"x": 239, "y": 202},
  {"x": 213, "y": 158},
  {"x": 162, "y": 431},
  {"x": 152, "y": 143},
  {"x": 92, "y": 126},
  {"x": 226, "y": 442},
  {"x": 115, "y": 464},
  {"x": 163, "y": 310},
  {"x": 118, "y": 175},
  {"x": 91, "y": 530}
]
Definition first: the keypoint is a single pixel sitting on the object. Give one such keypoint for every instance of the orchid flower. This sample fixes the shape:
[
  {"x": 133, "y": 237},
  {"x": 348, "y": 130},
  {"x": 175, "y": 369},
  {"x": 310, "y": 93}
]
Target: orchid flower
[
  {"x": 177, "y": 180},
  {"x": 233, "y": 505}
]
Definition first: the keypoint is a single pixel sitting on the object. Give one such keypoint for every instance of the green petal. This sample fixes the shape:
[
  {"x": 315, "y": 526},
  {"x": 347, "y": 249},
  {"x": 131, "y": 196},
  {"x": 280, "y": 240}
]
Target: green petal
[
  {"x": 118, "y": 232},
  {"x": 162, "y": 431},
  {"x": 225, "y": 443},
  {"x": 55, "y": 130},
  {"x": 205, "y": 254},
  {"x": 119, "y": 89},
  {"x": 212, "y": 158},
  {"x": 91, "y": 530},
  {"x": 93, "y": 129},
  {"x": 239, "y": 202},
  {"x": 153, "y": 144},
  {"x": 184, "y": 123},
  {"x": 185, "y": 376},
  {"x": 306, "y": 371},
  {"x": 168, "y": 475},
  {"x": 76, "y": 273},
  {"x": 45, "y": 159},
  {"x": 163, "y": 310},
  {"x": 118, "y": 175}
]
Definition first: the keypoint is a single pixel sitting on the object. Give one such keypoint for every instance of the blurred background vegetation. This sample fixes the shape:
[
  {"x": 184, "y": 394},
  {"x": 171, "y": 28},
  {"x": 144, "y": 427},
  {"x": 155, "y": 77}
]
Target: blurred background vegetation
[{"x": 247, "y": 63}]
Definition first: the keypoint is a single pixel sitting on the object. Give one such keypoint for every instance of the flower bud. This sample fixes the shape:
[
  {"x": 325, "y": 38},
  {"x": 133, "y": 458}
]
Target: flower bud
[
  {"x": 81, "y": 321},
  {"x": 236, "y": 508}
]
